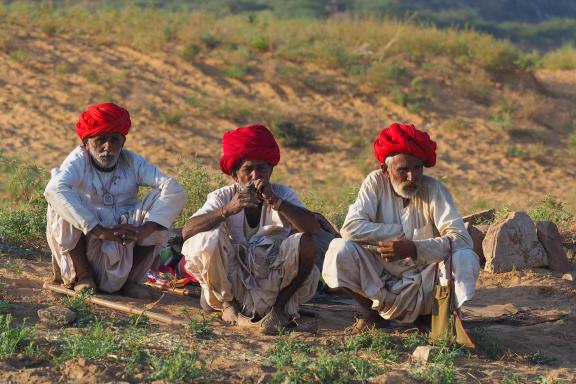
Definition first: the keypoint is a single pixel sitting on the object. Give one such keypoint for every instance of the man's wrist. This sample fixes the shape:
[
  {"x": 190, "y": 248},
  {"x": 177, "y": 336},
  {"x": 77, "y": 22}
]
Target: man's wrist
[{"x": 223, "y": 213}]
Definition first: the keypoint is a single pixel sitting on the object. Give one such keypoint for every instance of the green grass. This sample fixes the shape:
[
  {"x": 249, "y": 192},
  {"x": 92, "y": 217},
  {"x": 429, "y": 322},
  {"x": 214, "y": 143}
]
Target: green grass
[
  {"x": 5, "y": 307},
  {"x": 15, "y": 338},
  {"x": 551, "y": 209},
  {"x": 441, "y": 368},
  {"x": 179, "y": 366},
  {"x": 198, "y": 181},
  {"x": 199, "y": 324},
  {"x": 292, "y": 134},
  {"x": 79, "y": 304},
  {"x": 94, "y": 342}
]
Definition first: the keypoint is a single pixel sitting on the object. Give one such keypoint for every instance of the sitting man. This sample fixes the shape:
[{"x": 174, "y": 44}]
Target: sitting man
[
  {"x": 99, "y": 234},
  {"x": 251, "y": 245},
  {"x": 400, "y": 226}
]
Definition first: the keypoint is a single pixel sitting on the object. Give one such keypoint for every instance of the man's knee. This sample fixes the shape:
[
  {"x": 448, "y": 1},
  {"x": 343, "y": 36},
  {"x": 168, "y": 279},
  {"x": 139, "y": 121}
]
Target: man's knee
[
  {"x": 466, "y": 261},
  {"x": 340, "y": 251}
]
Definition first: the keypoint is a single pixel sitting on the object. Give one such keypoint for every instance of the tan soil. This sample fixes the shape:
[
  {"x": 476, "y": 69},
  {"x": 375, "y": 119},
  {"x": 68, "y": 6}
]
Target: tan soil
[{"x": 528, "y": 312}]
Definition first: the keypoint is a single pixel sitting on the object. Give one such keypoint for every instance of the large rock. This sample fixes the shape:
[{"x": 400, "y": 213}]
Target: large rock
[
  {"x": 478, "y": 233},
  {"x": 56, "y": 315},
  {"x": 513, "y": 244},
  {"x": 549, "y": 237}
]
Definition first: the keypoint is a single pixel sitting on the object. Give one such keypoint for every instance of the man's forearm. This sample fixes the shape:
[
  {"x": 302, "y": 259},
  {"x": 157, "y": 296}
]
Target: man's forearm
[
  {"x": 203, "y": 223},
  {"x": 300, "y": 218}
]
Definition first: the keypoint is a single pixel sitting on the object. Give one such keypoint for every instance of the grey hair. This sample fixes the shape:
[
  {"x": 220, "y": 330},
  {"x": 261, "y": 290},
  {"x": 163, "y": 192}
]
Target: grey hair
[{"x": 388, "y": 161}]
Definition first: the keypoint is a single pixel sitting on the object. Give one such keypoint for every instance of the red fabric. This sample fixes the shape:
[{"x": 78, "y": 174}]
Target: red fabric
[
  {"x": 101, "y": 119},
  {"x": 254, "y": 142},
  {"x": 403, "y": 138}
]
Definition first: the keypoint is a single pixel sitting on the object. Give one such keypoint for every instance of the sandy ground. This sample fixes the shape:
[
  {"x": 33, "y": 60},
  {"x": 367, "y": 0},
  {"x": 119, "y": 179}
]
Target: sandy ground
[
  {"x": 42, "y": 94},
  {"x": 529, "y": 312}
]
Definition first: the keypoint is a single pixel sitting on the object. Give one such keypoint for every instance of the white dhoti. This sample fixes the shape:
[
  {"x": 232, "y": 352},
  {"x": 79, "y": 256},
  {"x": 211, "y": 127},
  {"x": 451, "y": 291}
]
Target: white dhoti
[
  {"x": 400, "y": 296},
  {"x": 111, "y": 262},
  {"x": 253, "y": 273}
]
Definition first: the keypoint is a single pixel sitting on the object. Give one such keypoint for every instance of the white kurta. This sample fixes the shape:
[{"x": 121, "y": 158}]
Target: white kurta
[
  {"x": 401, "y": 290},
  {"x": 251, "y": 270},
  {"x": 75, "y": 206}
]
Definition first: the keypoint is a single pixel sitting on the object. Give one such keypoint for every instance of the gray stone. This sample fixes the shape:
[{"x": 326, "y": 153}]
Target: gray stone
[
  {"x": 570, "y": 276},
  {"x": 478, "y": 233},
  {"x": 421, "y": 354},
  {"x": 56, "y": 315},
  {"x": 512, "y": 243},
  {"x": 549, "y": 237}
]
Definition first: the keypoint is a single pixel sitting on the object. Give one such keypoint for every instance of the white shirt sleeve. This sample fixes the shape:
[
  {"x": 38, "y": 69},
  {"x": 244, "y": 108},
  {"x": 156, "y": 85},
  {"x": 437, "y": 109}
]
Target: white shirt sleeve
[
  {"x": 62, "y": 194},
  {"x": 361, "y": 224},
  {"x": 449, "y": 224},
  {"x": 172, "y": 196}
]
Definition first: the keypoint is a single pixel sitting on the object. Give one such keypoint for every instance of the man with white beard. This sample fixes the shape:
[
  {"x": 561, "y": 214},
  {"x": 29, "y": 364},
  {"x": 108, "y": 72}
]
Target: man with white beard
[
  {"x": 100, "y": 235},
  {"x": 400, "y": 226}
]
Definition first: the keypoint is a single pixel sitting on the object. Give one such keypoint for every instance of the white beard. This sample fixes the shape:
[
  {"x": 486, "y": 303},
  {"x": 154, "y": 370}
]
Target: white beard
[
  {"x": 406, "y": 189},
  {"x": 104, "y": 160}
]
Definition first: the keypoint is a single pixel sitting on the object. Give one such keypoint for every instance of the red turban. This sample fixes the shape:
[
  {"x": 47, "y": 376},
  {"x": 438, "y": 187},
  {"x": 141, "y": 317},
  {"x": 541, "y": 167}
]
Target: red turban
[
  {"x": 101, "y": 119},
  {"x": 403, "y": 138},
  {"x": 254, "y": 142}
]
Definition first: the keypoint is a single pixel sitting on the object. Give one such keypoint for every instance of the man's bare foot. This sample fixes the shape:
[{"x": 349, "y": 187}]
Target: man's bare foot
[
  {"x": 229, "y": 312},
  {"x": 84, "y": 284},
  {"x": 273, "y": 322},
  {"x": 136, "y": 291},
  {"x": 367, "y": 321}
]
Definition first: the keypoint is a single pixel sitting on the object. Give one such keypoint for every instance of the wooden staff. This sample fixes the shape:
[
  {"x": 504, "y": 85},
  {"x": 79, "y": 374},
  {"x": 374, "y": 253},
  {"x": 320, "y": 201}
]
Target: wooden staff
[
  {"x": 176, "y": 291},
  {"x": 126, "y": 308}
]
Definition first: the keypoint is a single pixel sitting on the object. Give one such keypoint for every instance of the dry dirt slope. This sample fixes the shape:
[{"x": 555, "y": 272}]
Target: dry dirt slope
[{"x": 180, "y": 110}]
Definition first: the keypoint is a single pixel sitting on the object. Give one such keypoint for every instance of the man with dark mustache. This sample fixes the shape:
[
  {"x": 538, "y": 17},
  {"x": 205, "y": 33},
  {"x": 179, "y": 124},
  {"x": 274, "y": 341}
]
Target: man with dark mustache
[
  {"x": 400, "y": 226},
  {"x": 99, "y": 234},
  {"x": 252, "y": 245}
]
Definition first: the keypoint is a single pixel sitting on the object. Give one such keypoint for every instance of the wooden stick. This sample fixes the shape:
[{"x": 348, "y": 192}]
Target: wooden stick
[
  {"x": 177, "y": 291},
  {"x": 126, "y": 308}
]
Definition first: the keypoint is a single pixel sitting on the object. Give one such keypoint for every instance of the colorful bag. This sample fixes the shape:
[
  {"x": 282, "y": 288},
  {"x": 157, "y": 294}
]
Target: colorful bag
[{"x": 446, "y": 317}]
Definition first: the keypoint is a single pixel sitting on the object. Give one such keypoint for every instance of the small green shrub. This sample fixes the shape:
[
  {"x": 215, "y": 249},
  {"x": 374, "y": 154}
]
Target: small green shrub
[
  {"x": 93, "y": 343},
  {"x": 24, "y": 226},
  {"x": 236, "y": 71},
  {"x": 180, "y": 366},
  {"x": 198, "y": 181},
  {"x": 199, "y": 324},
  {"x": 14, "y": 338},
  {"x": 561, "y": 58},
  {"x": 189, "y": 52},
  {"x": 514, "y": 151},
  {"x": 210, "y": 41},
  {"x": 171, "y": 118},
  {"x": 5, "y": 307},
  {"x": 550, "y": 209},
  {"x": 487, "y": 345},
  {"x": 441, "y": 368},
  {"x": 380, "y": 74},
  {"x": 293, "y": 135}
]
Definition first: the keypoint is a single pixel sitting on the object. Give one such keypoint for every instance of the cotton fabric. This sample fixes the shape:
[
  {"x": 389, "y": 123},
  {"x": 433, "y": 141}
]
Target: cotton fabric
[
  {"x": 251, "y": 270},
  {"x": 74, "y": 194},
  {"x": 401, "y": 290}
]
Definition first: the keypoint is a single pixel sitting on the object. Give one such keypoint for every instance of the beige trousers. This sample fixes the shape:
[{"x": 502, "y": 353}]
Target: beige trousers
[
  {"x": 111, "y": 262},
  {"x": 253, "y": 274}
]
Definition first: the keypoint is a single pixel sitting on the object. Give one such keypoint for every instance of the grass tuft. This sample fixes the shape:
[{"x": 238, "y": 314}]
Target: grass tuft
[{"x": 14, "y": 338}]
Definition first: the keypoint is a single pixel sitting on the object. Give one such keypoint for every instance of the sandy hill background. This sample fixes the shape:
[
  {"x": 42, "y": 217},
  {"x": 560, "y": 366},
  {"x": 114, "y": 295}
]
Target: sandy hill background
[{"x": 505, "y": 134}]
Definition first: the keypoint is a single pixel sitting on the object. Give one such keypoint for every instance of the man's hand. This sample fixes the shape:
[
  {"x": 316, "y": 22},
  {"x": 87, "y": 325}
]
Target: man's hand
[
  {"x": 147, "y": 229},
  {"x": 241, "y": 200},
  {"x": 265, "y": 189},
  {"x": 397, "y": 249},
  {"x": 124, "y": 234}
]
